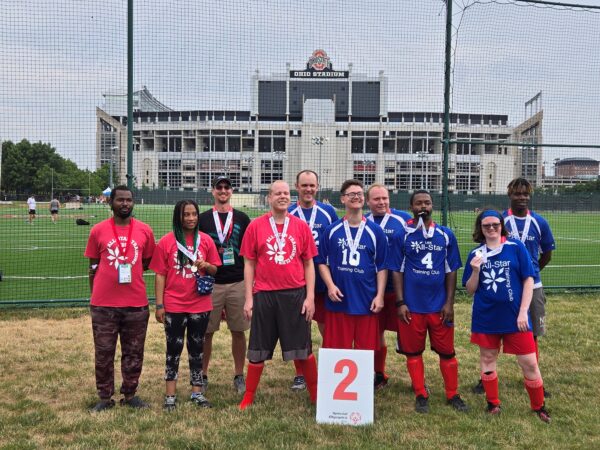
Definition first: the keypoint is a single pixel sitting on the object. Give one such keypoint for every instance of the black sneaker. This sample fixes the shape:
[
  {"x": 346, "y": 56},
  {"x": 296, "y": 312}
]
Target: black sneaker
[
  {"x": 543, "y": 415},
  {"x": 493, "y": 410},
  {"x": 547, "y": 394},
  {"x": 299, "y": 384},
  {"x": 103, "y": 405},
  {"x": 458, "y": 404},
  {"x": 134, "y": 402},
  {"x": 381, "y": 380},
  {"x": 239, "y": 383},
  {"x": 200, "y": 400},
  {"x": 170, "y": 403},
  {"x": 478, "y": 388},
  {"x": 422, "y": 404}
]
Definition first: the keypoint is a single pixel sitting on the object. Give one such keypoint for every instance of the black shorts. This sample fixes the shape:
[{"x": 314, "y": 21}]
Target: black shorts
[
  {"x": 32, "y": 211},
  {"x": 54, "y": 211},
  {"x": 276, "y": 315}
]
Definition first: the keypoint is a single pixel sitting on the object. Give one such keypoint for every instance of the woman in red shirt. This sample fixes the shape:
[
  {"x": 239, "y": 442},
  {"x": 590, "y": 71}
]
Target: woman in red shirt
[{"x": 180, "y": 257}]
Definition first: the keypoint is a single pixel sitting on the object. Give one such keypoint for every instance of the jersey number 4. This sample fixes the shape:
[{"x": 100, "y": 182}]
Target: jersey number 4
[{"x": 427, "y": 261}]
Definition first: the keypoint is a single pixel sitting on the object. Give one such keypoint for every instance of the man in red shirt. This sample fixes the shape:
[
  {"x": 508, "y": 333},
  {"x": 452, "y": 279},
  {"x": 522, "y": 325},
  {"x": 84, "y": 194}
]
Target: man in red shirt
[
  {"x": 119, "y": 250},
  {"x": 278, "y": 250}
]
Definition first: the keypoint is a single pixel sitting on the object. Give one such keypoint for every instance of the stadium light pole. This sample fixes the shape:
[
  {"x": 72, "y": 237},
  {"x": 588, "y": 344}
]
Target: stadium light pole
[
  {"x": 318, "y": 142},
  {"x": 110, "y": 167}
]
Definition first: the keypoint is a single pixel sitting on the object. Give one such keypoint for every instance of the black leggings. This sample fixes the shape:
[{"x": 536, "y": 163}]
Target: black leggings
[{"x": 175, "y": 325}]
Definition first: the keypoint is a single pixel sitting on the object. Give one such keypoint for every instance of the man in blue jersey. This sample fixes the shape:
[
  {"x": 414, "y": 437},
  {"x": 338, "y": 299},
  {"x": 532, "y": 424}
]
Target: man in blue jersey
[
  {"x": 352, "y": 258},
  {"x": 533, "y": 231},
  {"x": 391, "y": 221},
  {"x": 318, "y": 216},
  {"x": 425, "y": 258}
]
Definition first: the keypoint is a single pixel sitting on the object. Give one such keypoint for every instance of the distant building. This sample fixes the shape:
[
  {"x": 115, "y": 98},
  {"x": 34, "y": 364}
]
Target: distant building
[
  {"x": 334, "y": 122},
  {"x": 577, "y": 168}
]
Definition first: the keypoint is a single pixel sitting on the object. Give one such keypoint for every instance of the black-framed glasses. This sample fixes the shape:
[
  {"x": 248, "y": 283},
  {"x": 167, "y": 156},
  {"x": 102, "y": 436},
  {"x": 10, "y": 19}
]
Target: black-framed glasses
[
  {"x": 354, "y": 194},
  {"x": 489, "y": 226}
]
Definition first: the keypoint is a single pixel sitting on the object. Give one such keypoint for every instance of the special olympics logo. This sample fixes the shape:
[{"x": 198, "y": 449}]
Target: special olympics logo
[
  {"x": 355, "y": 418},
  {"x": 318, "y": 61}
]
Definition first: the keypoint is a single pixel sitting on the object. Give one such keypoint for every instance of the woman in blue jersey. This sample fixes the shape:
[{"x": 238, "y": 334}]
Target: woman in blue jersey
[{"x": 499, "y": 274}]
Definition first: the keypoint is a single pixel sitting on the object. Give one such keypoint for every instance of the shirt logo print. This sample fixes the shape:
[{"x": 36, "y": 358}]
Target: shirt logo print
[
  {"x": 415, "y": 246},
  {"x": 275, "y": 253},
  {"x": 492, "y": 279}
]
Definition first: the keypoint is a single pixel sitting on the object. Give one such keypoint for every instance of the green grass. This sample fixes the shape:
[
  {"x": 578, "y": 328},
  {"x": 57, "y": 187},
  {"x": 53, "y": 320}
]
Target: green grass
[
  {"x": 45, "y": 390},
  {"x": 45, "y": 261}
]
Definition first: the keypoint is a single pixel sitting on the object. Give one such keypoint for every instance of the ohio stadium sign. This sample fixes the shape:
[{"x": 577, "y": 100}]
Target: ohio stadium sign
[{"x": 318, "y": 66}]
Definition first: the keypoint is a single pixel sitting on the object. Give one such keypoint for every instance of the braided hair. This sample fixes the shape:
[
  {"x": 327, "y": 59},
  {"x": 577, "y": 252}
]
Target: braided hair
[{"x": 178, "y": 228}]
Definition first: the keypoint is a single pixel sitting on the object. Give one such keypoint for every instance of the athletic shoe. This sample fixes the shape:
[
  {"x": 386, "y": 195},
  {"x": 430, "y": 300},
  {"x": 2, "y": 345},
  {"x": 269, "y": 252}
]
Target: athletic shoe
[
  {"x": 299, "y": 383},
  {"x": 134, "y": 402},
  {"x": 422, "y": 404},
  {"x": 543, "y": 415},
  {"x": 103, "y": 405},
  {"x": 493, "y": 410},
  {"x": 458, "y": 404},
  {"x": 547, "y": 394},
  {"x": 380, "y": 380},
  {"x": 200, "y": 400},
  {"x": 478, "y": 388},
  {"x": 239, "y": 383},
  {"x": 170, "y": 403},
  {"x": 204, "y": 384}
]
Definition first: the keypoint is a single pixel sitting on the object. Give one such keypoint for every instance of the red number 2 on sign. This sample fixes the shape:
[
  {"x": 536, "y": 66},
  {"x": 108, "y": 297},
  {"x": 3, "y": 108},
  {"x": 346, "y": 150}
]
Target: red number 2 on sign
[{"x": 340, "y": 392}]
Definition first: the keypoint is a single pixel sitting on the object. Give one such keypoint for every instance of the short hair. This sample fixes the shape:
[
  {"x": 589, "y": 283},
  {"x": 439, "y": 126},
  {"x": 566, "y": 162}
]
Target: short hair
[
  {"x": 519, "y": 183},
  {"x": 306, "y": 171},
  {"x": 273, "y": 183},
  {"x": 417, "y": 192},
  {"x": 478, "y": 233},
  {"x": 120, "y": 187},
  {"x": 374, "y": 186},
  {"x": 346, "y": 184}
]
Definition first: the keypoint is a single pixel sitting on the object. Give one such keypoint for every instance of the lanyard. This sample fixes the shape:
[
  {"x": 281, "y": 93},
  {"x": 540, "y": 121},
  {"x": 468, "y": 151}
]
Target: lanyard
[
  {"x": 353, "y": 244},
  {"x": 313, "y": 215},
  {"x": 191, "y": 255},
  {"x": 427, "y": 234},
  {"x": 383, "y": 222},
  {"x": 124, "y": 246},
  {"x": 280, "y": 238},
  {"x": 514, "y": 231},
  {"x": 224, "y": 232}
]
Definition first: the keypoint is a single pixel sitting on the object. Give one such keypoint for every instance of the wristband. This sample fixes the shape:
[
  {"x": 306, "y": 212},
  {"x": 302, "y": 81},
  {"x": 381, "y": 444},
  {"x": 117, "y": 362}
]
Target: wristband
[
  {"x": 161, "y": 306},
  {"x": 399, "y": 303}
]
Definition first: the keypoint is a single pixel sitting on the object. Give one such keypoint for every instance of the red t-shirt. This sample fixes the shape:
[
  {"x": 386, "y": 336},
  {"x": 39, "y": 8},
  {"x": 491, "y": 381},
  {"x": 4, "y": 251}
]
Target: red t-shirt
[
  {"x": 181, "y": 295},
  {"x": 278, "y": 268},
  {"x": 102, "y": 244}
]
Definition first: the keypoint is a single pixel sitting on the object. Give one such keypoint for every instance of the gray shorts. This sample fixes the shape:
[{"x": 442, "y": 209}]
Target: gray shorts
[
  {"x": 537, "y": 312},
  {"x": 276, "y": 315}
]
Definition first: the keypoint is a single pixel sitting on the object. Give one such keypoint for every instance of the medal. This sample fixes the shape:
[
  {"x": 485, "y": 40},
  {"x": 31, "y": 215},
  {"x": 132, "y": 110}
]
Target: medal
[
  {"x": 221, "y": 249},
  {"x": 194, "y": 269}
]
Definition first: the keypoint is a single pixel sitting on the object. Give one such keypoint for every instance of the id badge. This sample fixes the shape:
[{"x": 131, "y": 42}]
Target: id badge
[
  {"x": 228, "y": 257},
  {"x": 124, "y": 273}
]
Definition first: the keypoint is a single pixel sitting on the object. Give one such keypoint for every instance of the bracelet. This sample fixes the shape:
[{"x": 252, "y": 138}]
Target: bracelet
[
  {"x": 399, "y": 303},
  {"x": 161, "y": 306}
]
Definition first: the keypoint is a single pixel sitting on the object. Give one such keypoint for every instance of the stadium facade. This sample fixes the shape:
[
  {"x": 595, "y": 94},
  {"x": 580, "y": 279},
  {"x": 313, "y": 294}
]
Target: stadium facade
[{"x": 334, "y": 122}]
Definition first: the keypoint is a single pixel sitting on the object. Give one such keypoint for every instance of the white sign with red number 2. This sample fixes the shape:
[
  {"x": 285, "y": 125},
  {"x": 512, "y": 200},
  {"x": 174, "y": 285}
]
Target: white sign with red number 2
[{"x": 345, "y": 393}]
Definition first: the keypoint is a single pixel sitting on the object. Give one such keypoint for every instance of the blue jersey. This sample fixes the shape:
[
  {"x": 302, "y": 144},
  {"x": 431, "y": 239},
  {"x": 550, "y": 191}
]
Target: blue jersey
[
  {"x": 355, "y": 277},
  {"x": 402, "y": 214},
  {"x": 392, "y": 225},
  {"x": 425, "y": 259},
  {"x": 497, "y": 300},
  {"x": 325, "y": 216},
  {"x": 538, "y": 237}
]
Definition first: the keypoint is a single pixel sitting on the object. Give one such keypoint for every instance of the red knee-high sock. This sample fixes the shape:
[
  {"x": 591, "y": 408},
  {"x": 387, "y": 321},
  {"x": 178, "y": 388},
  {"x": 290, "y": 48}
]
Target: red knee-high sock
[
  {"x": 252, "y": 379},
  {"x": 298, "y": 364},
  {"x": 490, "y": 385},
  {"x": 416, "y": 370},
  {"x": 380, "y": 357},
  {"x": 310, "y": 375},
  {"x": 535, "y": 389},
  {"x": 449, "y": 369},
  {"x": 537, "y": 349}
]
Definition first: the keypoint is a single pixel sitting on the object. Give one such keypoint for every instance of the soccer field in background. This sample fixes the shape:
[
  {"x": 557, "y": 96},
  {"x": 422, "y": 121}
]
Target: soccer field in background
[{"x": 45, "y": 261}]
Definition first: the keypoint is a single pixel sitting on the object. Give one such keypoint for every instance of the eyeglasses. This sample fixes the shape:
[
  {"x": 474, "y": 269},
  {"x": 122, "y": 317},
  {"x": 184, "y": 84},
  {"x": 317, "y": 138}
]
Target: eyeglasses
[
  {"x": 489, "y": 226},
  {"x": 354, "y": 195}
]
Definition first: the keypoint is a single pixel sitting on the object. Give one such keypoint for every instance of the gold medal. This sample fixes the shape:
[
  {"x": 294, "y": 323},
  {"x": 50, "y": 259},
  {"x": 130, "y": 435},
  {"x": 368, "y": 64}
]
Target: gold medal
[{"x": 194, "y": 269}]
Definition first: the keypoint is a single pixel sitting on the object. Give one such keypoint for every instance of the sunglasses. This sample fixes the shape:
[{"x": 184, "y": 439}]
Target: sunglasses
[
  {"x": 222, "y": 187},
  {"x": 489, "y": 226}
]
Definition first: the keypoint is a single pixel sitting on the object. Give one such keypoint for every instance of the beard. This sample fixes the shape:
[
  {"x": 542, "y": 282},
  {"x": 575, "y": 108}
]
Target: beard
[
  {"x": 123, "y": 215},
  {"x": 424, "y": 214}
]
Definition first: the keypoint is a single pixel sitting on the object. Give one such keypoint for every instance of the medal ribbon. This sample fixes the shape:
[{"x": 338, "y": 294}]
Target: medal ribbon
[
  {"x": 280, "y": 238},
  {"x": 191, "y": 255},
  {"x": 384, "y": 221},
  {"x": 313, "y": 215},
  {"x": 353, "y": 244},
  {"x": 224, "y": 232},
  {"x": 124, "y": 246},
  {"x": 514, "y": 231}
]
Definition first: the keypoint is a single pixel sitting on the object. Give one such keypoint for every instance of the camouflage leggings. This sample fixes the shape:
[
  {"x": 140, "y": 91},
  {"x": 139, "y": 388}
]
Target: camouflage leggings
[
  {"x": 129, "y": 324},
  {"x": 175, "y": 326}
]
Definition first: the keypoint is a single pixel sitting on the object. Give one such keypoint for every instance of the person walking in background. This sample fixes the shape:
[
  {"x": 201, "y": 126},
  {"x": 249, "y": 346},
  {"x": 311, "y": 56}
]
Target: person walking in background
[
  {"x": 500, "y": 276},
  {"x": 54, "y": 207},
  {"x": 226, "y": 227},
  {"x": 31, "y": 207},
  {"x": 182, "y": 256},
  {"x": 119, "y": 249}
]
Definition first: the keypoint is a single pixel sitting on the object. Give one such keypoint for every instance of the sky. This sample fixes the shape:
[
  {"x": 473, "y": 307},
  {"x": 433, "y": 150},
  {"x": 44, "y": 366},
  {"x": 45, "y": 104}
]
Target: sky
[{"x": 58, "y": 57}]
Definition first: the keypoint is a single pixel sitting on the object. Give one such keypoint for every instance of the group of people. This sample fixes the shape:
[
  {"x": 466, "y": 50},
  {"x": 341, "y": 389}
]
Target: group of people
[
  {"x": 53, "y": 206},
  {"x": 356, "y": 276}
]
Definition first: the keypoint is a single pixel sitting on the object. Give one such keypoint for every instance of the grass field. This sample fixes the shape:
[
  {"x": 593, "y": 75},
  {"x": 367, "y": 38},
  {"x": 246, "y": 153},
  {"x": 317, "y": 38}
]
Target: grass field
[
  {"x": 45, "y": 261},
  {"x": 47, "y": 384}
]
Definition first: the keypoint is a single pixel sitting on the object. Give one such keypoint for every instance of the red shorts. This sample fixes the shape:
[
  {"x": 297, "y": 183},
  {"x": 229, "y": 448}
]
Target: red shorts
[
  {"x": 412, "y": 336},
  {"x": 319, "y": 315},
  {"x": 359, "y": 332},
  {"x": 388, "y": 316},
  {"x": 519, "y": 343}
]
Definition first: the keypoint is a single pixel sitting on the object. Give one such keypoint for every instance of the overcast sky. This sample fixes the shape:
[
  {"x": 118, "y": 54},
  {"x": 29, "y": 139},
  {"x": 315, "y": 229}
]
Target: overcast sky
[{"x": 58, "y": 57}]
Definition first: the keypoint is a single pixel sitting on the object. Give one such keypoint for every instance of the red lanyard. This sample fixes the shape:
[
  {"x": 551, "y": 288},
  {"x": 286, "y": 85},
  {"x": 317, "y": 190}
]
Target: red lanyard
[{"x": 125, "y": 246}]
